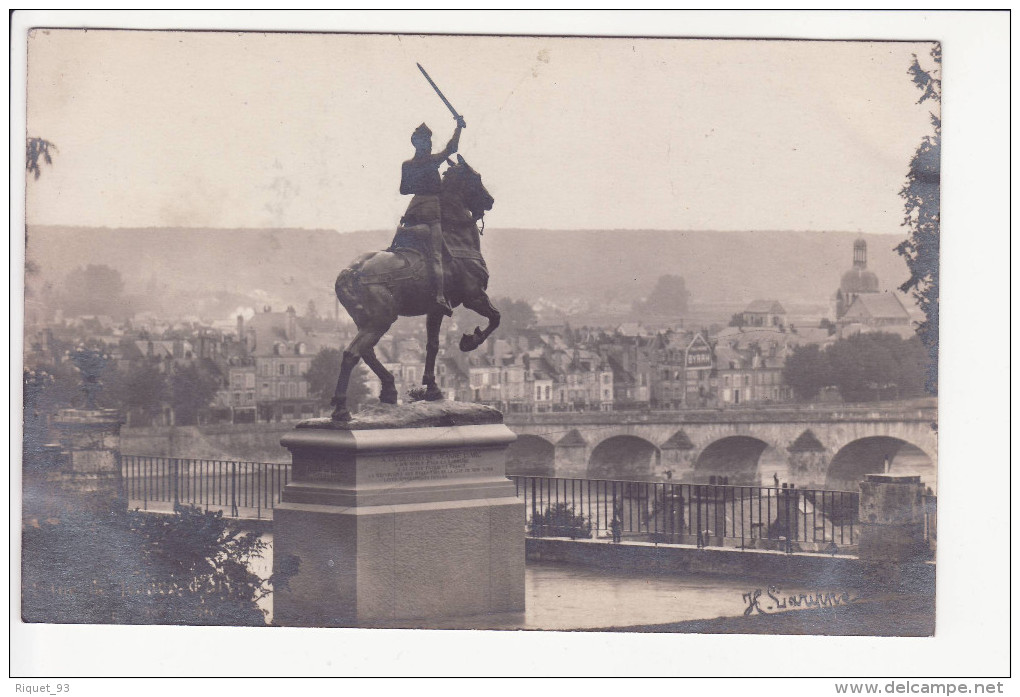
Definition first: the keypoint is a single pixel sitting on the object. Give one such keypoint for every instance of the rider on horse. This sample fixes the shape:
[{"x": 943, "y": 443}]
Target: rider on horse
[{"x": 420, "y": 176}]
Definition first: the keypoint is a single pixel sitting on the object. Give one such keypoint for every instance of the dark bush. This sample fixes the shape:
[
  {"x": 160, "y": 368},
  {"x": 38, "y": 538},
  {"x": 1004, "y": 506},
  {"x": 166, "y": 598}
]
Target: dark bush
[
  {"x": 559, "y": 520},
  {"x": 131, "y": 567}
]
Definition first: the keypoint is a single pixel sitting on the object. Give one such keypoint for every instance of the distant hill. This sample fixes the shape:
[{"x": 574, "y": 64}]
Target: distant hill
[{"x": 579, "y": 269}]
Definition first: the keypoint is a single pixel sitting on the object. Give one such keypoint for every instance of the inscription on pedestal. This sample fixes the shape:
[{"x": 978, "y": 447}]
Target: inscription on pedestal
[{"x": 428, "y": 466}]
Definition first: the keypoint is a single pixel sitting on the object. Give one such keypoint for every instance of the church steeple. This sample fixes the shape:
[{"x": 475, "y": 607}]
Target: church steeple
[
  {"x": 860, "y": 254},
  {"x": 856, "y": 280}
]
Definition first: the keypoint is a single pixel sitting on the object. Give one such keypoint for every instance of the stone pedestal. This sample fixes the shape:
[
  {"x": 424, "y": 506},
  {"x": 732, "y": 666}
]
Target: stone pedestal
[
  {"x": 90, "y": 472},
  {"x": 395, "y": 520},
  {"x": 892, "y": 518}
]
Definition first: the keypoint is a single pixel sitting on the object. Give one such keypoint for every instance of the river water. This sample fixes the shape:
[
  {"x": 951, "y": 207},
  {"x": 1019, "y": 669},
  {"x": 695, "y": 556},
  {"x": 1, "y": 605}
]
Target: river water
[{"x": 565, "y": 596}]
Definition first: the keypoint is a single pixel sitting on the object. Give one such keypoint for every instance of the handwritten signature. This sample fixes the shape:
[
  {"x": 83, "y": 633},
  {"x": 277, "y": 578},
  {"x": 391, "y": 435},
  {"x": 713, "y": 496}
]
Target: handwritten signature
[{"x": 777, "y": 601}]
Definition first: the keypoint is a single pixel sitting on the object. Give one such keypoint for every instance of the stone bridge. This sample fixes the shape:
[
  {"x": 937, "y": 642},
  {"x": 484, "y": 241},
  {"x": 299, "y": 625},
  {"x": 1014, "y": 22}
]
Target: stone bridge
[{"x": 823, "y": 446}]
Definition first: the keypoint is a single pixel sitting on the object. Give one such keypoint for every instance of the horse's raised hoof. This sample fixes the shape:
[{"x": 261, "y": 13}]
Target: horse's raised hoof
[
  {"x": 388, "y": 395},
  {"x": 433, "y": 394},
  {"x": 469, "y": 342}
]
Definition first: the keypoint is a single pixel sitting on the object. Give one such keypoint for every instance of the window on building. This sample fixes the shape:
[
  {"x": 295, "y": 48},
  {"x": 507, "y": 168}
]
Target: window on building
[
  {"x": 283, "y": 369},
  {"x": 538, "y": 393},
  {"x": 293, "y": 370},
  {"x": 547, "y": 392}
]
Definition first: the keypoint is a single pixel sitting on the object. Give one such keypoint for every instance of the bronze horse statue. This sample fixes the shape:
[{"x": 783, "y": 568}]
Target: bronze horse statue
[{"x": 380, "y": 286}]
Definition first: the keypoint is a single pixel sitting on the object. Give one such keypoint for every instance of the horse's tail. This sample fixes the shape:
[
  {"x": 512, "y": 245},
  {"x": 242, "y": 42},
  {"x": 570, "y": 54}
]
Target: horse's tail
[{"x": 350, "y": 292}]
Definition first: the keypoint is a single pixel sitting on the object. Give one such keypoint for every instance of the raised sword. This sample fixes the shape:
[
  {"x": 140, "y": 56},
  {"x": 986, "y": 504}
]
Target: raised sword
[{"x": 440, "y": 93}]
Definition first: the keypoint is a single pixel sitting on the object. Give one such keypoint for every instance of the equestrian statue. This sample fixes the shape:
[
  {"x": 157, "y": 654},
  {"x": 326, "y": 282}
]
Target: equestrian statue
[{"x": 433, "y": 265}]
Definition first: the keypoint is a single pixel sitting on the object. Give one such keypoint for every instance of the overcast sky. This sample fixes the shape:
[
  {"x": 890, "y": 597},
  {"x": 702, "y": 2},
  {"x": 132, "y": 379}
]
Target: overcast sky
[{"x": 255, "y": 130}]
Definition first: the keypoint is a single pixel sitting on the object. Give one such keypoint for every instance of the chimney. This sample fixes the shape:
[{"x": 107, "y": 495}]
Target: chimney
[
  {"x": 240, "y": 328},
  {"x": 291, "y": 326}
]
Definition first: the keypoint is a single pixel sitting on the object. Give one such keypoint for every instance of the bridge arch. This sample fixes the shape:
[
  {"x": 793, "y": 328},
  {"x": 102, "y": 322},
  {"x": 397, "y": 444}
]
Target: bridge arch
[
  {"x": 742, "y": 460},
  {"x": 624, "y": 457},
  {"x": 532, "y": 456},
  {"x": 869, "y": 455}
]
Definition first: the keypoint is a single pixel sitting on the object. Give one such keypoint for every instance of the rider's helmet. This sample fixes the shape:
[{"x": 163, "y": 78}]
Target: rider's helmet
[{"x": 422, "y": 136}]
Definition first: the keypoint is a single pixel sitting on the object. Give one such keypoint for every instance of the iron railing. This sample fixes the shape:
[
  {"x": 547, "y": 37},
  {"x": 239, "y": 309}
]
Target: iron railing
[
  {"x": 784, "y": 518},
  {"x": 788, "y": 519},
  {"x": 231, "y": 486}
]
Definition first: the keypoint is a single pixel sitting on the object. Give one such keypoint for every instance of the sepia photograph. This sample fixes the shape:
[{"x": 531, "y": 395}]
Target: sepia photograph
[{"x": 541, "y": 335}]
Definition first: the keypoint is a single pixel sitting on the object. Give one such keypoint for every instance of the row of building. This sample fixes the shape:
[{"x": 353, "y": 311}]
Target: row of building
[
  {"x": 552, "y": 369},
  {"x": 263, "y": 363}
]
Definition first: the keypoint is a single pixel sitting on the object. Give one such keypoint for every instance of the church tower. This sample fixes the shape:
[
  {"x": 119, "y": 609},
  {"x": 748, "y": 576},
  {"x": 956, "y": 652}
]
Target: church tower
[
  {"x": 857, "y": 280},
  {"x": 860, "y": 254}
]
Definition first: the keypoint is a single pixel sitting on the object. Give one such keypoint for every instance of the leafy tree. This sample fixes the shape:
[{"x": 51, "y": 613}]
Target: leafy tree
[
  {"x": 130, "y": 567},
  {"x": 874, "y": 366},
  {"x": 668, "y": 297},
  {"x": 95, "y": 289},
  {"x": 514, "y": 315},
  {"x": 912, "y": 359},
  {"x": 860, "y": 368},
  {"x": 192, "y": 389},
  {"x": 807, "y": 371},
  {"x": 323, "y": 373},
  {"x": 921, "y": 205},
  {"x": 142, "y": 388},
  {"x": 864, "y": 367},
  {"x": 36, "y": 149}
]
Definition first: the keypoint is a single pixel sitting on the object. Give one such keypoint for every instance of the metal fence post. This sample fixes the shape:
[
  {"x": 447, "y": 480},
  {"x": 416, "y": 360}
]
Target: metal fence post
[
  {"x": 175, "y": 480},
  {"x": 701, "y": 537},
  {"x": 534, "y": 500},
  {"x": 233, "y": 489},
  {"x": 145, "y": 486},
  {"x": 789, "y": 526}
]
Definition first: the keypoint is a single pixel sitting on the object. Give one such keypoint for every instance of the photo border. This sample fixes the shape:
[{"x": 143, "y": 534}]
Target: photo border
[{"x": 974, "y": 578}]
